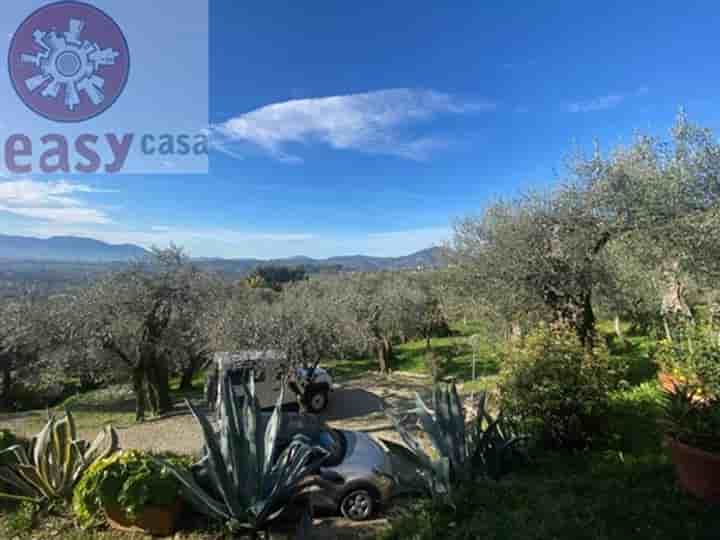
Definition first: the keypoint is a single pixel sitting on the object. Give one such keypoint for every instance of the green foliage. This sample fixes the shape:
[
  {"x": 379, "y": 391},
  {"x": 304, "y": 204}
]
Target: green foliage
[
  {"x": 275, "y": 277},
  {"x": 241, "y": 479},
  {"x": 691, "y": 411},
  {"x": 485, "y": 448},
  {"x": 693, "y": 358},
  {"x": 54, "y": 461},
  {"x": 21, "y": 521},
  {"x": 589, "y": 496},
  {"x": 130, "y": 479},
  {"x": 7, "y": 440},
  {"x": 558, "y": 389},
  {"x": 633, "y": 418}
]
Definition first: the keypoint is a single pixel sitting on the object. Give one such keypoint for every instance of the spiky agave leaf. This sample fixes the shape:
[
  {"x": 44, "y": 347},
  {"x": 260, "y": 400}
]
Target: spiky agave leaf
[
  {"x": 216, "y": 465},
  {"x": 432, "y": 471},
  {"x": 484, "y": 448},
  {"x": 253, "y": 487},
  {"x": 195, "y": 494},
  {"x": 281, "y": 482},
  {"x": 53, "y": 462}
]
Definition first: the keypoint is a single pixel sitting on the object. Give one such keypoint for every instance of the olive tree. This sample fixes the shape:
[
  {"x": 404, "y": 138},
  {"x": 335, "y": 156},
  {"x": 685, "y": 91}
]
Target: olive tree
[
  {"x": 136, "y": 316},
  {"x": 546, "y": 253},
  {"x": 19, "y": 344}
]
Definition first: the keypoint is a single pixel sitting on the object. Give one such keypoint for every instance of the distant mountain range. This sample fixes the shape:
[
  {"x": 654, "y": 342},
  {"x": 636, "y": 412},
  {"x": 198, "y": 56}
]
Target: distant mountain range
[
  {"x": 427, "y": 258},
  {"x": 66, "y": 249},
  {"x": 87, "y": 250}
]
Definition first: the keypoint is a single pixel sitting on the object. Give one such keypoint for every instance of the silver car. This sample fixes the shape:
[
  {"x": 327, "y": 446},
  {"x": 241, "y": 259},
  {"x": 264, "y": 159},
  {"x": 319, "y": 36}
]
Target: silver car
[{"x": 356, "y": 478}]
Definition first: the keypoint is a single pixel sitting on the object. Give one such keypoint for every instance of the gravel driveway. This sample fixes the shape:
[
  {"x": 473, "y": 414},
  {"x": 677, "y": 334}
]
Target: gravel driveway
[{"x": 354, "y": 405}]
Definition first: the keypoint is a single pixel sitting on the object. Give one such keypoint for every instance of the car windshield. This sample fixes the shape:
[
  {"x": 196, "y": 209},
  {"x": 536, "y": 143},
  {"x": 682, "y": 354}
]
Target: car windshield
[{"x": 334, "y": 442}]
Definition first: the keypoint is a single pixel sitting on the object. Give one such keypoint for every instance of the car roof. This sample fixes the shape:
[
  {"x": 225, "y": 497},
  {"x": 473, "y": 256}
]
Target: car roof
[{"x": 228, "y": 360}]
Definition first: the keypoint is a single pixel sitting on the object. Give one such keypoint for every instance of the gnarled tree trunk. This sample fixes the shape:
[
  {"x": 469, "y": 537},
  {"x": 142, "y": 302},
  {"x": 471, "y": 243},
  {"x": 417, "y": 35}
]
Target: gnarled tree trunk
[
  {"x": 385, "y": 355},
  {"x": 138, "y": 379},
  {"x": 7, "y": 382}
]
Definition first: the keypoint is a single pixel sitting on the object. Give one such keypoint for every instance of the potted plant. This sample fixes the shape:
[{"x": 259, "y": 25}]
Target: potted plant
[
  {"x": 132, "y": 492},
  {"x": 691, "y": 413},
  {"x": 678, "y": 358}
]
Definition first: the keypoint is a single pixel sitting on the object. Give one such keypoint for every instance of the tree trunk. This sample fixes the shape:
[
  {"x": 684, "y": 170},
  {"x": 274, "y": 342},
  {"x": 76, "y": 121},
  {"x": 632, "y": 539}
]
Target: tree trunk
[
  {"x": 516, "y": 333},
  {"x": 162, "y": 383},
  {"x": 673, "y": 301},
  {"x": 158, "y": 386},
  {"x": 385, "y": 355},
  {"x": 187, "y": 377},
  {"x": 586, "y": 322},
  {"x": 666, "y": 326},
  {"x": 618, "y": 330},
  {"x": 138, "y": 378},
  {"x": 7, "y": 383}
]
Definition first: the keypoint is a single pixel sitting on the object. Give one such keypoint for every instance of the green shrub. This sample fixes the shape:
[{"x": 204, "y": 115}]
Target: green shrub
[
  {"x": 693, "y": 359},
  {"x": 558, "y": 389},
  {"x": 7, "y": 439},
  {"x": 21, "y": 521},
  {"x": 130, "y": 479}
]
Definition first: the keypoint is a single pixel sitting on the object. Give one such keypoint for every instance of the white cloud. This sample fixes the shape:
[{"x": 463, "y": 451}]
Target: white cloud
[
  {"x": 605, "y": 102},
  {"x": 372, "y": 122},
  {"x": 597, "y": 104},
  {"x": 50, "y": 201}
]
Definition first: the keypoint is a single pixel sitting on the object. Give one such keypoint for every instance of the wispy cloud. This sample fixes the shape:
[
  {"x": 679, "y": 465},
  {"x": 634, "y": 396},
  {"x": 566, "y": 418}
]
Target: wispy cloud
[
  {"x": 604, "y": 102},
  {"x": 50, "y": 201},
  {"x": 373, "y": 122},
  {"x": 596, "y": 104}
]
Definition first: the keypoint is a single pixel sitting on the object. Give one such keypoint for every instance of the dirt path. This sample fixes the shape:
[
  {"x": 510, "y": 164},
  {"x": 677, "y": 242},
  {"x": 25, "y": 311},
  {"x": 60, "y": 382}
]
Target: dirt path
[{"x": 357, "y": 404}]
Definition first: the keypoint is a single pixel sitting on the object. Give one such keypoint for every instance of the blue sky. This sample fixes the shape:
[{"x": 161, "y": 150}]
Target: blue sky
[{"x": 367, "y": 128}]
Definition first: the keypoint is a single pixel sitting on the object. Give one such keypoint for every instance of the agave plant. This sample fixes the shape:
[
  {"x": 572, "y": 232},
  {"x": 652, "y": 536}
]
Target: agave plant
[
  {"x": 483, "y": 448},
  {"x": 54, "y": 461},
  {"x": 241, "y": 479},
  {"x": 493, "y": 443}
]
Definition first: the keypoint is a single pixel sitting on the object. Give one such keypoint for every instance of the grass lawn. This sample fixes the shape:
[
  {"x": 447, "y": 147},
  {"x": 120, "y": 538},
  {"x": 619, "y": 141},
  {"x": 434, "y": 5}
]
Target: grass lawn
[{"x": 455, "y": 354}]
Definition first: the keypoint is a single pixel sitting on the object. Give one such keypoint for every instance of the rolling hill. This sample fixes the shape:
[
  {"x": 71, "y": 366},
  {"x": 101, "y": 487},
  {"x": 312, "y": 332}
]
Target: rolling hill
[
  {"x": 70, "y": 249},
  {"x": 66, "y": 249}
]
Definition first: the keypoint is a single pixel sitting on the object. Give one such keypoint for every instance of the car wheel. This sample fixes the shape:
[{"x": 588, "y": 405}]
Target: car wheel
[
  {"x": 317, "y": 401},
  {"x": 357, "y": 505}
]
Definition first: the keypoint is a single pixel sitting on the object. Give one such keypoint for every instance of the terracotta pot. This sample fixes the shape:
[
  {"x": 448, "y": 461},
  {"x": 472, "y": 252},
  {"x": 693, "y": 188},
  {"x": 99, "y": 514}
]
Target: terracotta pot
[
  {"x": 698, "y": 471},
  {"x": 154, "y": 520}
]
